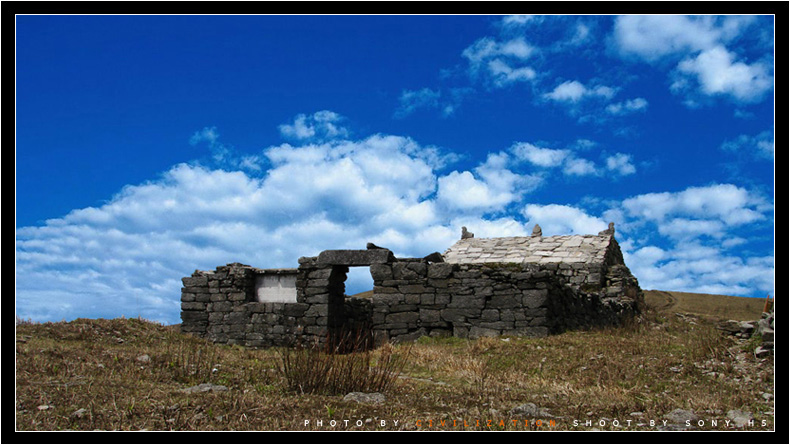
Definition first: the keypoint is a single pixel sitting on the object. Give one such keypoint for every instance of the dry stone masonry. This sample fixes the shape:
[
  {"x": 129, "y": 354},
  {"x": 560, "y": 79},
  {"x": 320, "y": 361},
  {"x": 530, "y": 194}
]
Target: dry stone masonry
[{"x": 516, "y": 286}]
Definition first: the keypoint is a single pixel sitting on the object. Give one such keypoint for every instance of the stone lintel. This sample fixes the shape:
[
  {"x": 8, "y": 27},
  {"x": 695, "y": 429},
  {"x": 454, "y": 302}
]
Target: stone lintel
[{"x": 355, "y": 257}]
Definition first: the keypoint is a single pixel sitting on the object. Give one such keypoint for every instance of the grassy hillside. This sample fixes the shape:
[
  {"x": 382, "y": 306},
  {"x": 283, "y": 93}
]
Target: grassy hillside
[
  {"x": 129, "y": 374},
  {"x": 720, "y": 307}
]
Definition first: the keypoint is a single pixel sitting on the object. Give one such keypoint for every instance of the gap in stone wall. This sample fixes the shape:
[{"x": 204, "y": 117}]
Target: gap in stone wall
[
  {"x": 359, "y": 280},
  {"x": 348, "y": 324}
]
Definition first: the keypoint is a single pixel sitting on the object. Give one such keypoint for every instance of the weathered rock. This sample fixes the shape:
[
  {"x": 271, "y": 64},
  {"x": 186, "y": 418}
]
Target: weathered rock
[
  {"x": 747, "y": 327},
  {"x": 681, "y": 416},
  {"x": 740, "y": 418},
  {"x": 435, "y": 257},
  {"x": 730, "y": 326},
  {"x": 529, "y": 410},
  {"x": 355, "y": 257},
  {"x": 80, "y": 413},
  {"x": 761, "y": 352},
  {"x": 372, "y": 398},
  {"x": 609, "y": 231}
]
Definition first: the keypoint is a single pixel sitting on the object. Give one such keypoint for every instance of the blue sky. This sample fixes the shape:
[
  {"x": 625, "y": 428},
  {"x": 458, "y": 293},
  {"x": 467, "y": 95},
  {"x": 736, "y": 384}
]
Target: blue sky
[{"x": 151, "y": 146}]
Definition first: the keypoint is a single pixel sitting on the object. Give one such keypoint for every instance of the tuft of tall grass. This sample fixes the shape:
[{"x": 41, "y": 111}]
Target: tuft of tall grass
[{"x": 334, "y": 371}]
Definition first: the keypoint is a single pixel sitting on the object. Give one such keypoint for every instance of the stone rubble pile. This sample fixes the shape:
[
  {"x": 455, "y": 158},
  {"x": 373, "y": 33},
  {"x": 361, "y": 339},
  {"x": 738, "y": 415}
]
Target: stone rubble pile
[{"x": 764, "y": 328}]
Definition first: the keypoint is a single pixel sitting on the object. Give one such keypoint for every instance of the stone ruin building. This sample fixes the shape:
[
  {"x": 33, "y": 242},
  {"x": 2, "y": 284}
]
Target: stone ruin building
[{"x": 514, "y": 286}]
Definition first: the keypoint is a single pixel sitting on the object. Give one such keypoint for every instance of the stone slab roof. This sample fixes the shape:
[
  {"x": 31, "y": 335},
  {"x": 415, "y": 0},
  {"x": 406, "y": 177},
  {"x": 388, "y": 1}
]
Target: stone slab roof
[{"x": 530, "y": 249}]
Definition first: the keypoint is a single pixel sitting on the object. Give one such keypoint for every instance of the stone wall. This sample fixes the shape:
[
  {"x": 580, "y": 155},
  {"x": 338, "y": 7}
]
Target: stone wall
[
  {"x": 220, "y": 306},
  {"x": 411, "y": 298},
  {"x": 416, "y": 298}
]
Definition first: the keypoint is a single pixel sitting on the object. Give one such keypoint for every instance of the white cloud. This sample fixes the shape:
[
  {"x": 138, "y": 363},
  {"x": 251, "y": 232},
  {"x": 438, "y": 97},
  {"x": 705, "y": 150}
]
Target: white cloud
[
  {"x": 488, "y": 48},
  {"x": 542, "y": 157},
  {"x": 134, "y": 249},
  {"x": 413, "y": 100},
  {"x": 579, "y": 167},
  {"x": 652, "y": 37},
  {"x": 221, "y": 153},
  {"x": 494, "y": 188},
  {"x": 699, "y": 47},
  {"x": 446, "y": 102},
  {"x": 503, "y": 74},
  {"x": 682, "y": 253},
  {"x": 500, "y": 62},
  {"x": 684, "y": 228},
  {"x": 690, "y": 267},
  {"x": 760, "y": 146},
  {"x": 519, "y": 20},
  {"x": 717, "y": 73},
  {"x": 321, "y": 125},
  {"x": 581, "y": 34},
  {"x": 207, "y": 134},
  {"x": 676, "y": 241},
  {"x": 555, "y": 219},
  {"x": 620, "y": 163},
  {"x": 649, "y": 255},
  {"x": 575, "y": 91},
  {"x": 627, "y": 107},
  {"x": 339, "y": 193},
  {"x": 727, "y": 203}
]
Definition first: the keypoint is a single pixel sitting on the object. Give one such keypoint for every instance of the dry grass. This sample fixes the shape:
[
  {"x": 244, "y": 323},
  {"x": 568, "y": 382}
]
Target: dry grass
[
  {"x": 349, "y": 366},
  {"x": 720, "y": 307},
  {"x": 91, "y": 374}
]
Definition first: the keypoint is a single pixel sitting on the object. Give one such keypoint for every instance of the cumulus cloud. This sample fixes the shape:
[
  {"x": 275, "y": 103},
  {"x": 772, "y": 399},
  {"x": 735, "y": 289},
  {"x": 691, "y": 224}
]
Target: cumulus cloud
[
  {"x": 520, "y": 20},
  {"x": 691, "y": 267},
  {"x": 487, "y": 48},
  {"x": 715, "y": 72},
  {"x": 590, "y": 103},
  {"x": 698, "y": 48},
  {"x": 413, "y": 100},
  {"x": 620, "y": 163},
  {"x": 503, "y": 74},
  {"x": 132, "y": 250},
  {"x": 555, "y": 219},
  {"x": 221, "y": 153},
  {"x": 679, "y": 241},
  {"x": 651, "y": 37},
  {"x": 127, "y": 255},
  {"x": 760, "y": 146},
  {"x": 321, "y": 125},
  {"x": 727, "y": 203},
  {"x": 575, "y": 91},
  {"x": 493, "y": 188},
  {"x": 627, "y": 107},
  {"x": 500, "y": 62},
  {"x": 579, "y": 167},
  {"x": 207, "y": 134},
  {"x": 543, "y": 157}
]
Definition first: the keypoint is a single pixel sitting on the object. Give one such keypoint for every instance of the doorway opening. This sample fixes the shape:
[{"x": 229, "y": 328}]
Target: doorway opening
[{"x": 349, "y": 317}]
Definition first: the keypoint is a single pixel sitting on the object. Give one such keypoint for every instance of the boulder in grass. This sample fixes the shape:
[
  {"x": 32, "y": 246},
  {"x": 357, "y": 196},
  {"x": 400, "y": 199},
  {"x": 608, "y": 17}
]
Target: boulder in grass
[{"x": 369, "y": 398}]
